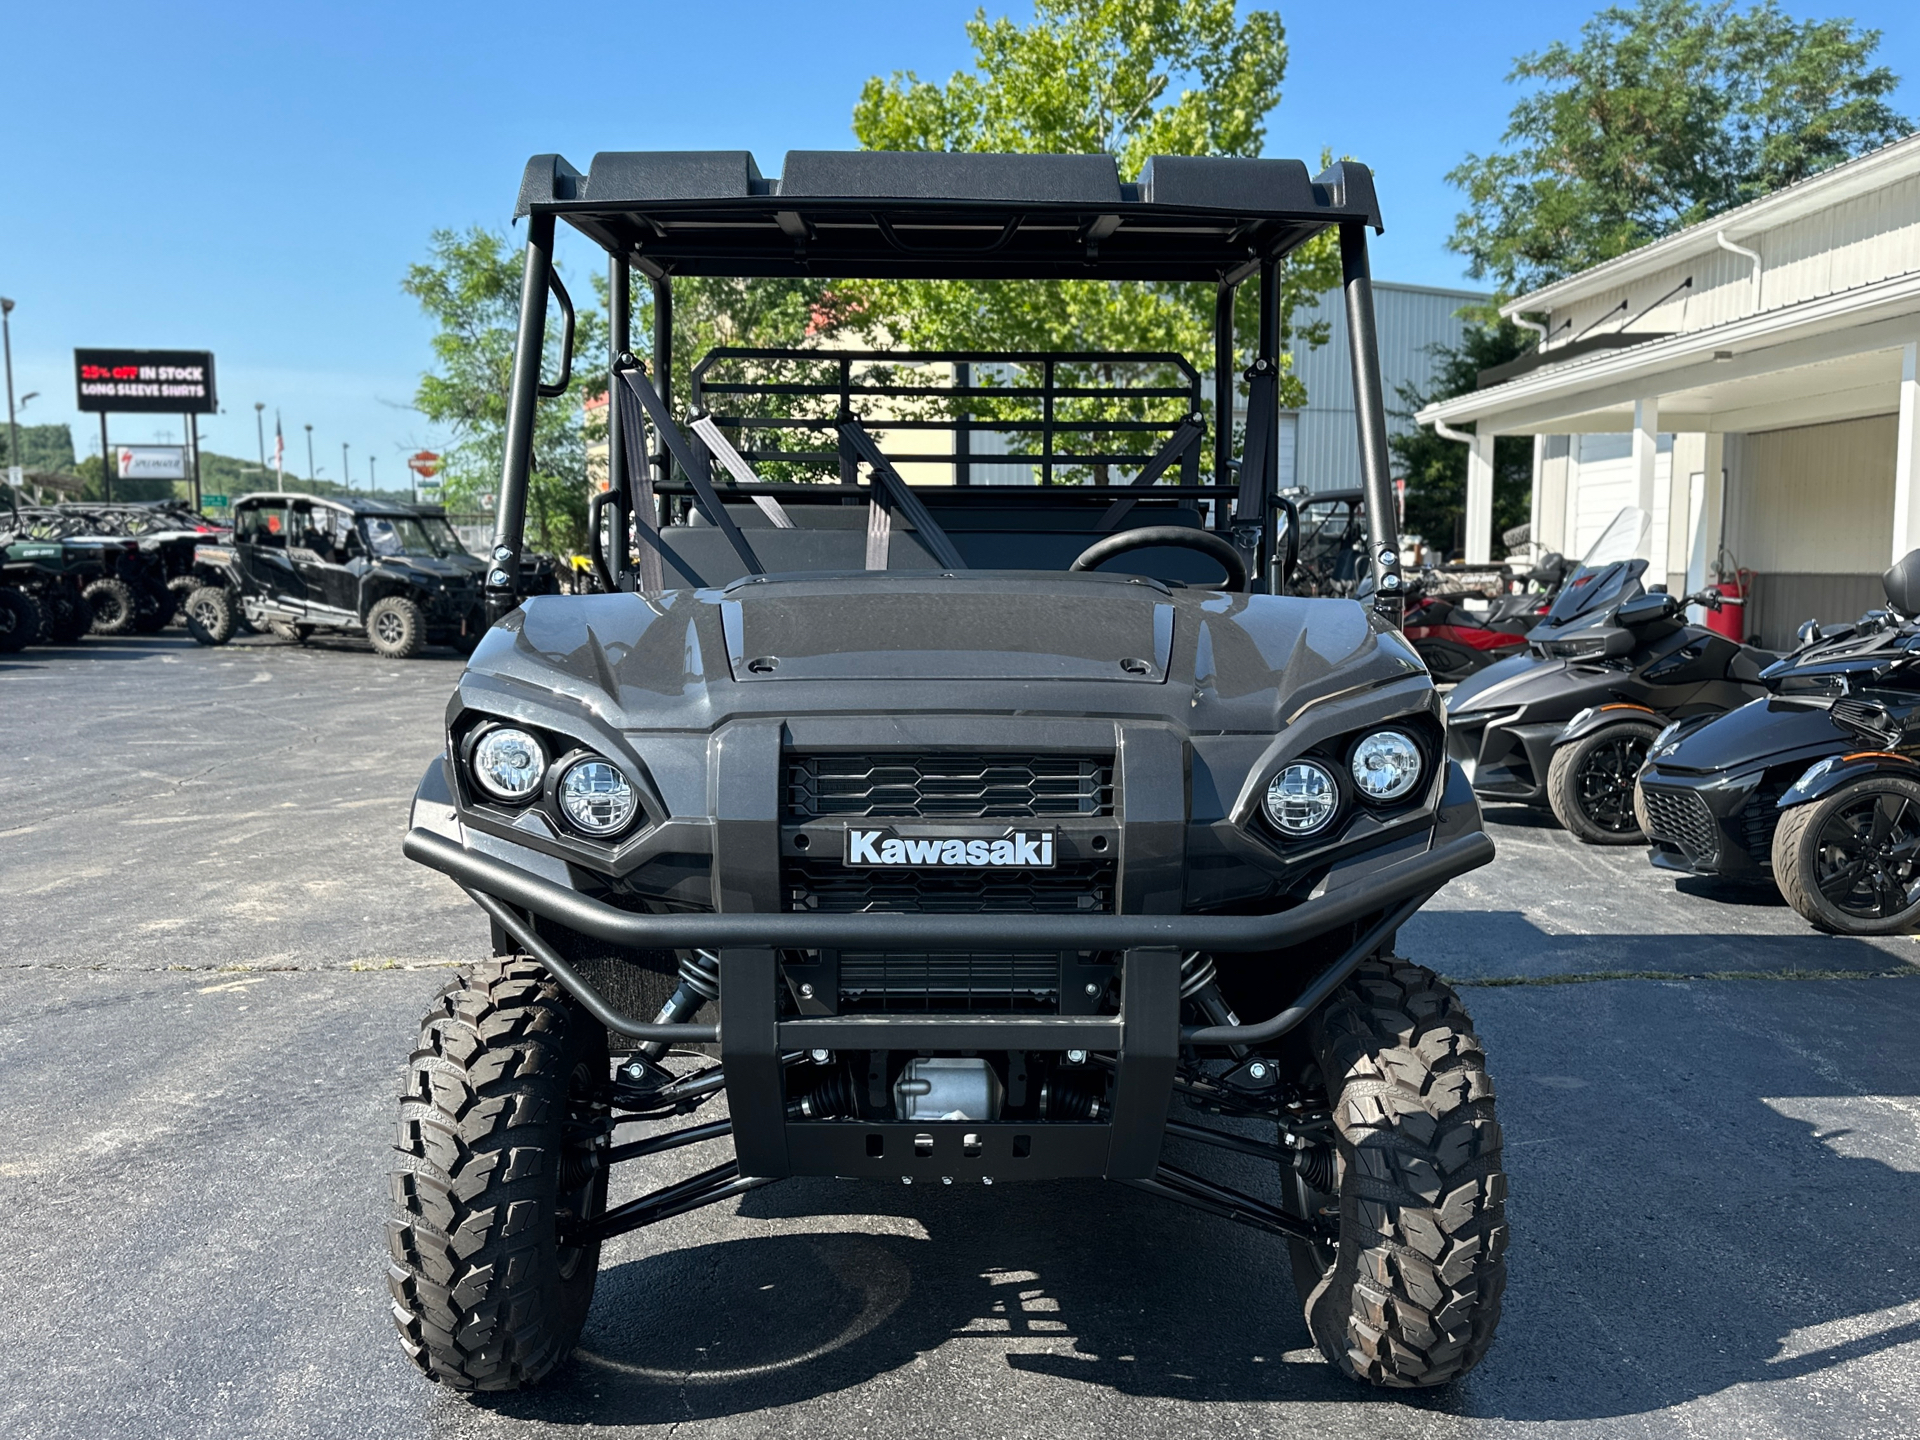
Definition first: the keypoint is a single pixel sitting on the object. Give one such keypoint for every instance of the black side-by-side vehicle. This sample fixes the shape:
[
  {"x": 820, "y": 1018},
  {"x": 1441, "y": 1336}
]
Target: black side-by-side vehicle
[{"x": 944, "y": 777}]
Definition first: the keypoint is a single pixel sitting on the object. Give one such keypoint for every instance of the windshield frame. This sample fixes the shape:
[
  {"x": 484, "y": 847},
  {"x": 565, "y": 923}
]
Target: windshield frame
[{"x": 399, "y": 547}]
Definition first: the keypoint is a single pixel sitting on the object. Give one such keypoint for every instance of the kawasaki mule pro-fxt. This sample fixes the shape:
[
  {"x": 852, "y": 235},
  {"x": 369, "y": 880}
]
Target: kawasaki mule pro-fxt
[{"x": 967, "y": 823}]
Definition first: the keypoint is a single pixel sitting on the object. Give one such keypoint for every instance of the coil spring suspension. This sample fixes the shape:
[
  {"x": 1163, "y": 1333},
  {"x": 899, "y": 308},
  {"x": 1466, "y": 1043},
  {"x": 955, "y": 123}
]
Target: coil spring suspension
[
  {"x": 1199, "y": 982},
  {"x": 699, "y": 983}
]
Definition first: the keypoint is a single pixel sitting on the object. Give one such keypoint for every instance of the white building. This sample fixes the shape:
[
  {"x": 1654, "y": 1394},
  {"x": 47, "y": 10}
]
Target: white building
[
  {"x": 1319, "y": 445},
  {"x": 1751, "y": 381}
]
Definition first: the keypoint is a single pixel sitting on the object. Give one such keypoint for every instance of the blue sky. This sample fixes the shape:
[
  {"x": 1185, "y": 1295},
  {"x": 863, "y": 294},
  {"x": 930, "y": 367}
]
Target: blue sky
[{"x": 254, "y": 179}]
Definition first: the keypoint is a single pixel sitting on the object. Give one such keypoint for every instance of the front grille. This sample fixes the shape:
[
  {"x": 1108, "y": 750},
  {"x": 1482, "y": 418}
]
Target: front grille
[
  {"x": 948, "y": 787},
  {"x": 949, "y": 981},
  {"x": 1072, "y": 886},
  {"x": 1681, "y": 817}
]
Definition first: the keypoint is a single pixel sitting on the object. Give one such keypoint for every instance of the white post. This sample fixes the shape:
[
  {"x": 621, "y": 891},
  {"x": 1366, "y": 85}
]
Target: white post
[
  {"x": 1646, "y": 450},
  {"x": 1906, "y": 455},
  {"x": 1533, "y": 502},
  {"x": 1480, "y": 497}
]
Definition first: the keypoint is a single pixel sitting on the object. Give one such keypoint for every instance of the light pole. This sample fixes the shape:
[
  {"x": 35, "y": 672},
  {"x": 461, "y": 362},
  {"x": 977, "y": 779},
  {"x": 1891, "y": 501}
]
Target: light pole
[
  {"x": 14, "y": 469},
  {"x": 372, "y": 488},
  {"x": 346, "y": 474},
  {"x": 310, "y": 457},
  {"x": 260, "y": 427}
]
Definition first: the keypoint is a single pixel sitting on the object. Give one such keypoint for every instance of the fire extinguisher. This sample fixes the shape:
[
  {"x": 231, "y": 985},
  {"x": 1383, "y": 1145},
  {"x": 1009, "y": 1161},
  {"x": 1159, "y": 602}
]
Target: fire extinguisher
[{"x": 1730, "y": 619}]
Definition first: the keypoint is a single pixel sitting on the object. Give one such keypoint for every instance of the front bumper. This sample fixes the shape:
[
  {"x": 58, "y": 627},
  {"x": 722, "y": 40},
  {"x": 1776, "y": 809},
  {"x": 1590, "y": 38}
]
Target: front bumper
[
  {"x": 1143, "y": 1040},
  {"x": 1505, "y": 762},
  {"x": 1713, "y": 823}
]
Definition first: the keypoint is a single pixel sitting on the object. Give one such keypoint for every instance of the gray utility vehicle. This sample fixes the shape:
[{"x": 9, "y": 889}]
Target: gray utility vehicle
[
  {"x": 297, "y": 564},
  {"x": 1001, "y": 825}
]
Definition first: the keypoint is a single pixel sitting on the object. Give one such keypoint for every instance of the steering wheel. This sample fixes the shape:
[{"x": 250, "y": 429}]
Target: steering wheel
[{"x": 1178, "y": 536}]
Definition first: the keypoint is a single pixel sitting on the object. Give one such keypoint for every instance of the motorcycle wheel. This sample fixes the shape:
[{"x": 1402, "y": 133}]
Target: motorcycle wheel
[
  {"x": 1850, "y": 861},
  {"x": 1590, "y": 784}
]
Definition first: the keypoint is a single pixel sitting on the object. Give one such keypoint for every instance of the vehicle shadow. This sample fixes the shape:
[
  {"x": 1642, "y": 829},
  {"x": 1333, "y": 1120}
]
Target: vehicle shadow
[{"x": 1669, "y": 1245}]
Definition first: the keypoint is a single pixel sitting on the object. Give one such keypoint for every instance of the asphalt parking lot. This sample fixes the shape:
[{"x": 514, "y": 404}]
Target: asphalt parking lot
[{"x": 214, "y": 956}]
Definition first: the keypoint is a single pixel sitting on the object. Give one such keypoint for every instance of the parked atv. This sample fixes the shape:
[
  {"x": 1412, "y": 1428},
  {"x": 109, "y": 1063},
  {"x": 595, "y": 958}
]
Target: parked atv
[
  {"x": 1568, "y": 725},
  {"x": 298, "y": 564},
  {"x": 985, "y": 811},
  {"x": 1813, "y": 787},
  {"x": 42, "y": 589}
]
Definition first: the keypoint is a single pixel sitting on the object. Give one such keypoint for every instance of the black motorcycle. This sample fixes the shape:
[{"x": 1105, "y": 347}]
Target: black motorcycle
[
  {"x": 1568, "y": 725},
  {"x": 1816, "y": 787}
]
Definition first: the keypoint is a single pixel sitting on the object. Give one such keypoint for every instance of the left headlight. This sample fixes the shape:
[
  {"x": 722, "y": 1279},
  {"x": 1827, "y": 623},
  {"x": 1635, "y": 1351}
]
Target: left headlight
[
  {"x": 1386, "y": 765},
  {"x": 1302, "y": 798},
  {"x": 596, "y": 798}
]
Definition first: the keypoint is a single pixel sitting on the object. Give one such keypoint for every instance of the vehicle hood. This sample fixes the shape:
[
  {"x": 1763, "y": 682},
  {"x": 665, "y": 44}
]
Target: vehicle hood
[
  {"x": 1759, "y": 733},
  {"x": 424, "y": 567},
  {"x": 893, "y": 643}
]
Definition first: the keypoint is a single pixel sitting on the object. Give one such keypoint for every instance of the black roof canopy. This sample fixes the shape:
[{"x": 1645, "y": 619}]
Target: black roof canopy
[{"x": 878, "y": 214}]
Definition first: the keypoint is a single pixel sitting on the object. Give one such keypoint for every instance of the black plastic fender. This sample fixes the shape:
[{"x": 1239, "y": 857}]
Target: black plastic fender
[
  {"x": 1600, "y": 717},
  {"x": 1825, "y": 776}
]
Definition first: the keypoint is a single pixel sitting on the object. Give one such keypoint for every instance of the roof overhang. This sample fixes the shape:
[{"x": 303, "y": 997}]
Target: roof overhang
[
  {"x": 1881, "y": 167},
  {"x": 880, "y": 215},
  {"x": 1833, "y": 358}
]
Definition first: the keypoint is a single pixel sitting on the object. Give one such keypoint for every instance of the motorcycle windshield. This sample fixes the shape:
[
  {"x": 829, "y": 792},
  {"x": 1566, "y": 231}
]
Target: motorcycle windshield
[{"x": 1607, "y": 570}]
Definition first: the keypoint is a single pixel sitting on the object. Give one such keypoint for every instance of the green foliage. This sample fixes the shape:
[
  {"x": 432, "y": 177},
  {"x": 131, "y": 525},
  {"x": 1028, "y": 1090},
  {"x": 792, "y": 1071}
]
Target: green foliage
[
  {"x": 1661, "y": 116},
  {"x": 1132, "y": 77},
  {"x": 46, "y": 448},
  {"x": 470, "y": 286},
  {"x": 1436, "y": 468}
]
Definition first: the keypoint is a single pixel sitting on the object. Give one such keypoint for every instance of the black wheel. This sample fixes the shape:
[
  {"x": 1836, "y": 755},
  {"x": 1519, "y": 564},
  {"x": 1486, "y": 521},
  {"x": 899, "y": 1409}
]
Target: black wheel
[
  {"x": 1590, "y": 783},
  {"x": 397, "y": 628},
  {"x": 501, "y": 1138},
  {"x": 66, "y": 616},
  {"x": 209, "y": 615},
  {"x": 181, "y": 588},
  {"x": 1449, "y": 663},
  {"x": 1410, "y": 1295},
  {"x": 152, "y": 614},
  {"x": 1850, "y": 861},
  {"x": 113, "y": 606},
  {"x": 20, "y": 621}
]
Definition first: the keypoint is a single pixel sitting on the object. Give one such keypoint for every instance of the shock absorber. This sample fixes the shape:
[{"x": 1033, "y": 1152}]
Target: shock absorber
[
  {"x": 699, "y": 983},
  {"x": 1200, "y": 983}
]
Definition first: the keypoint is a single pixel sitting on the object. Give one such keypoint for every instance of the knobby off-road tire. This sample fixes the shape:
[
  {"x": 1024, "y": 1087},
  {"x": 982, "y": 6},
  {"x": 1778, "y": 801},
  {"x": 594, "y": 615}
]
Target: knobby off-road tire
[
  {"x": 209, "y": 615},
  {"x": 20, "y": 620},
  {"x": 113, "y": 606},
  {"x": 397, "y": 628},
  {"x": 1833, "y": 838},
  {"x": 485, "y": 1295},
  {"x": 65, "y": 617},
  {"x": 1592, "y": 788},
  {"x": 1413, "y": 1295}
]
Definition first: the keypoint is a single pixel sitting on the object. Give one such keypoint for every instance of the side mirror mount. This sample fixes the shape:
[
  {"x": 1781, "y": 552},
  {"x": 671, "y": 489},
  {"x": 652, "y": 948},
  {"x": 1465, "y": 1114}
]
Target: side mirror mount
[{"x": 1809, "y": 633}]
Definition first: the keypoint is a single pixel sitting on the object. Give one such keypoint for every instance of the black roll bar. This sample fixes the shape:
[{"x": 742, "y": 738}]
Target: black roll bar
[
  {"x": 1370, "y": 415},
  {"x": 503, "y": 567}
]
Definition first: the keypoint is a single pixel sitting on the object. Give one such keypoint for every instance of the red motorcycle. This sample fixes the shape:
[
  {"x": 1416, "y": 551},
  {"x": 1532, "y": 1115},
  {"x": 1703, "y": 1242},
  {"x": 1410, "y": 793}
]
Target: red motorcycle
[{"x": 1456, "y": 640}]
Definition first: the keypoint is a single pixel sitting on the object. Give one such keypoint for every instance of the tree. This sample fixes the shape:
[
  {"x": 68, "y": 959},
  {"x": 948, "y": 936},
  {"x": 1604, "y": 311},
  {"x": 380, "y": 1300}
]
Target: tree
[
  {"x": 471, "y": 288},
  {"x": 1132, "y": 77},
  {"x": 1436, "y": 468},
  {"x": 1661, "y": 116}
]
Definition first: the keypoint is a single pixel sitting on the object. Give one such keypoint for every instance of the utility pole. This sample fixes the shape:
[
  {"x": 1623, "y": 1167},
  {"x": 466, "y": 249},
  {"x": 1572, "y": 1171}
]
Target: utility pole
[
  {"x": 310, "y": 481},
  {"x": 346, "y": 475},
  {"x": 15, "y": 469},
  {"x": 260, "y": 428},
  {"x": 371, "y": 487}
]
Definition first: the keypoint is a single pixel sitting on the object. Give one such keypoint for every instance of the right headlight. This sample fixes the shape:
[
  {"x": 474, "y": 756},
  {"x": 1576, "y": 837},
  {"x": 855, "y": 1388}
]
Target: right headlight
[
  {"x": 1302, "y": 798},
  {"x": 509, "y": 764},
  {"x": 1386, "y": 765},
  {"x": 596, "y": 797}
]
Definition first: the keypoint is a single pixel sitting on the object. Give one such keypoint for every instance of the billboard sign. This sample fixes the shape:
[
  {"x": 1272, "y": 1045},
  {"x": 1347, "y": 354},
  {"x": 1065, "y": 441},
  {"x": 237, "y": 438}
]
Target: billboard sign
[
  {"x": 153, "y": 462},
  {"x": 145, "y": 382}
]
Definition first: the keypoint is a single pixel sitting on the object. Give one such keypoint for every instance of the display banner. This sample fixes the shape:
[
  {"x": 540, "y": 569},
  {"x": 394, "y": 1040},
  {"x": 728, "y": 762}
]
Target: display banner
[{"x": 146, "y": 382}]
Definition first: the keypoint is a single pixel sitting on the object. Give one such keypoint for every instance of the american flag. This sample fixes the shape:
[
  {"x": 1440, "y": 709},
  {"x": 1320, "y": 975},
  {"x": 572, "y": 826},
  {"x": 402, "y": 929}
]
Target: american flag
[{"x": 279, "y": 448}]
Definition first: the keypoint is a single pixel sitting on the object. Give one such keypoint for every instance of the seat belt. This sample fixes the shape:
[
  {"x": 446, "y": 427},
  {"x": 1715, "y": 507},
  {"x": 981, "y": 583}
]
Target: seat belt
[
  {"x": 645, "y": 506},
  {"x": 898, "y": 495},
  {"x": 736, "y": 463},
  {"x": 693, "y": 466}
]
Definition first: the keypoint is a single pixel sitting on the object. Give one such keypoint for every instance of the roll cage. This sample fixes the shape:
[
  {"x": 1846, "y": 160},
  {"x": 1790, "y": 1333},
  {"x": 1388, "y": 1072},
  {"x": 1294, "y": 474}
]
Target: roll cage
[{"x": 697, "y": 498}]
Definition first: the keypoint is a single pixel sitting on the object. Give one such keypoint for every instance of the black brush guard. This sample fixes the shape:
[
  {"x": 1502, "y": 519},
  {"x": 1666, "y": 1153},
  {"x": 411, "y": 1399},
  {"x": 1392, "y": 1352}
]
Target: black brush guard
[{"x": 1145, "y": 1038}]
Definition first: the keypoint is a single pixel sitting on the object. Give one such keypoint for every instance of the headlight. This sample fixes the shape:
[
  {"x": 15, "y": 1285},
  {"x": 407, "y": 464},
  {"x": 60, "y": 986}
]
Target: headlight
[
  {"x": 1386, "y": 765},
  {"x": 508, "y": 763},
  {"x": 596, "y": 797},
  {"x": 1302, "y": 798}
]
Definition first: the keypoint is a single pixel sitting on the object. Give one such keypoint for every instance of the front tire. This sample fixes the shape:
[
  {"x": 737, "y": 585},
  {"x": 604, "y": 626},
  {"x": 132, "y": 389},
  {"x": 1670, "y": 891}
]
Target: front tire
[
  {"x": 112, "y": 604},
  {"x": 209, "y": 615},
  {"x": 500, "y": 1136},
  {"x": 1850, "y": 861},
  {"x": 397, "y": 628},
  {"x": 1591, "y": 782},
  {"x": 1412, "y": 1296},
  {"x": 20, "y": 621}
]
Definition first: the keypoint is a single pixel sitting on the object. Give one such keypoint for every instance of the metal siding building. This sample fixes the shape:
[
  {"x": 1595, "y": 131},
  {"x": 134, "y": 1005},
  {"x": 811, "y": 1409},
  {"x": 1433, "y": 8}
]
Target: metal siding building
[{"x": 1319, "y": 448}]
